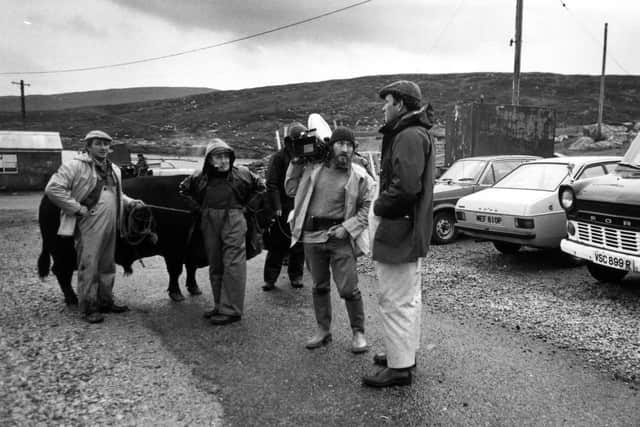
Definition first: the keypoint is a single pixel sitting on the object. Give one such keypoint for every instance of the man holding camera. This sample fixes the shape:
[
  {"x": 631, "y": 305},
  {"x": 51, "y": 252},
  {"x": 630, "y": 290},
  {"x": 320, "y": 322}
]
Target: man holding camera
[
  {"x": 330, "y": 217},
  {"x": 277, "y": 237},
  {"x": 404, "y": 207}
]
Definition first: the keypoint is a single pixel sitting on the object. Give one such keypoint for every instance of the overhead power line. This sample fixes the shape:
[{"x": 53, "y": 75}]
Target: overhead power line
[
  {"x": 447, "y": 26},
  {"x": 592, "y": 36},
  {"x": 199, "y": 49}
]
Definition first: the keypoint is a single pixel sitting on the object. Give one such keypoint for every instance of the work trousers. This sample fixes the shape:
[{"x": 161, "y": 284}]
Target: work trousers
[
  {"x": 280, "y": 246},
  {"x": 275, "y": 258},
  {"x": 400, "y": 304},
  {"x": 223, "y": 232},
  {"x": 334, "y": 257},
  {"x": 95, "y": 241}
]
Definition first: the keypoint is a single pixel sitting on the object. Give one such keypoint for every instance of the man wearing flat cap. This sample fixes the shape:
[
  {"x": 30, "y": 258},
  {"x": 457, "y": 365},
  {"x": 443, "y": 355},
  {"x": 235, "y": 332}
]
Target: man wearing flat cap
[
  {"x": 88, "y": 191},
  {"x": 404, "y": 214}
]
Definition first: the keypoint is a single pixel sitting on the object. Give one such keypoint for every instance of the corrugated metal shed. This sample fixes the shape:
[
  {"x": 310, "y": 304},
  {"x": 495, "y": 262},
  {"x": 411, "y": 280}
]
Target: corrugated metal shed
[
  {"x": 475, "y": 129},
  {"x": 30, "y": 141}
]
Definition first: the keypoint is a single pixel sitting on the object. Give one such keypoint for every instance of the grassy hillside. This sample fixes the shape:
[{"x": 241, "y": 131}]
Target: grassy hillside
[
  {"x": 248, "y": 118},
  {"x": 63, "y": 101}
]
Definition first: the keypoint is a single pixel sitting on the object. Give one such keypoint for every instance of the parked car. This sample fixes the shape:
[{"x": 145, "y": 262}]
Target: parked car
[
  {"x": 523, "y": 209},
  {"x": 121, "y": 156},
  {"x": 603, "y": 219},
  {"x": 466, "y": 176},
  {"x": 163, "y": 167}
]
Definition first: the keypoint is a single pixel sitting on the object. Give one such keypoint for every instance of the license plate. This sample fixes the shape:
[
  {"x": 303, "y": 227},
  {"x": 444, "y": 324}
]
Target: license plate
[
  {"x": 614, "y": 261},
  {"x": 489, "y": 219}
]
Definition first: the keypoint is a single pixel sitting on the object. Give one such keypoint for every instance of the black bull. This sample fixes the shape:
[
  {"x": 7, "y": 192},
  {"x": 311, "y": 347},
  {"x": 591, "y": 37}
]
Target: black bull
[{"x": 179, "y": 242}]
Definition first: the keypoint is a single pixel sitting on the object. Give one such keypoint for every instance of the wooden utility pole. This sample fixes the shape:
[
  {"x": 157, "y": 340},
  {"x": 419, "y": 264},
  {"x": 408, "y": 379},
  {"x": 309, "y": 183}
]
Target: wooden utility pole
[
  {"x": 601, "y": 100},
  {"x": 278, "y": 143},
  {"x": 22, "y": 85},
  {"x": 515, "y": 98}
]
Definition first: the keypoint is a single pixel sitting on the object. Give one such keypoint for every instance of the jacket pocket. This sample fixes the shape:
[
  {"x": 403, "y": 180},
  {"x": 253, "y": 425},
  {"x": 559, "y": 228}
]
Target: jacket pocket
[
  {"x": 392, "y": 231},
  {"x": 393, "y": 240}
]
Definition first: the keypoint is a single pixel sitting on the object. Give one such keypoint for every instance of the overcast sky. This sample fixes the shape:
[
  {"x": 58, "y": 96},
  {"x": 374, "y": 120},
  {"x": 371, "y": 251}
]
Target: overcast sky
[{"x": 378, "y": 37}]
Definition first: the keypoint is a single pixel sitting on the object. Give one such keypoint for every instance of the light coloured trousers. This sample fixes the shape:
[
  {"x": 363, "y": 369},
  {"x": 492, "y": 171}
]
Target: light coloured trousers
[
  {"x": 400, "y": 304},
  {"x": 95, "y": 241},
  {"x": 223, "y": 232}
]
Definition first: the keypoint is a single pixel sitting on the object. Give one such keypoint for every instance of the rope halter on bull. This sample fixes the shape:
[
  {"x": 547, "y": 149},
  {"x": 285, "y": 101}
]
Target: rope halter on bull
[{"x": 139, "y": 225}]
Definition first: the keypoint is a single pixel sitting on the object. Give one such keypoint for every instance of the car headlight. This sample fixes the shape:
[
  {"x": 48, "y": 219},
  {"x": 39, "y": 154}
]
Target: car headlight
[
  {"x": 524, "y": 223},
  {"x": 567, "y": 198}
]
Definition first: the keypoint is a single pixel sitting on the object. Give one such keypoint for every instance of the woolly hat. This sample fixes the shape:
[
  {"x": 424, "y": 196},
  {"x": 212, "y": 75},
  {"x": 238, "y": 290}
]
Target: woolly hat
[
  {"x": 403, "y": 88},
  {"x": 295, "y": 130},
  {"x": 342, "y": 133},
  {"x": 97, "y": 134}
]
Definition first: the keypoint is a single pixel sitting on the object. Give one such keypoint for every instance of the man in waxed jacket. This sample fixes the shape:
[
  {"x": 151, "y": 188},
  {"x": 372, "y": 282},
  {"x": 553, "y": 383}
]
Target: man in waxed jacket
[
  {"x": 404, "y": 213},
  {"x": 219, "y": 192}
]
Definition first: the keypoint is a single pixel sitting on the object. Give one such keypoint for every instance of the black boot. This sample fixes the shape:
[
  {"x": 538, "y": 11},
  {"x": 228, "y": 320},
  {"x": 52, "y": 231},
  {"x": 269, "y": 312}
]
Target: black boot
[
  {"x": 388, "y": 377},
  {"x": 381, "y": 360},
  {"x": 223, "y": 319}
]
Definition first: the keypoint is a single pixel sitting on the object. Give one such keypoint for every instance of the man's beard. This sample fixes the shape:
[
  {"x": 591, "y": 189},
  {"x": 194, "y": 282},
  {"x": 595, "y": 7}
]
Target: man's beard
[{"x": 342, "y": 161}]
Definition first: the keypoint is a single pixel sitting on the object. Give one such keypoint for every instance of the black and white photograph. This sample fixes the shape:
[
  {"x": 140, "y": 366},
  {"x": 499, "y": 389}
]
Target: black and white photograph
[{"x": 320, "y": 213}]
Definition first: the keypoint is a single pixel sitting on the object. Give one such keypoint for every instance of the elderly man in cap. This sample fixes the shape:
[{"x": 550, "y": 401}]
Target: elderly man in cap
[
  {"x": 404, "y": 211},
  {"x": 277, "y": 237},
  {"x": 332, "y": 200},
  {"x": 221, "y": 190},
  {"x": 88, "y": 190}
]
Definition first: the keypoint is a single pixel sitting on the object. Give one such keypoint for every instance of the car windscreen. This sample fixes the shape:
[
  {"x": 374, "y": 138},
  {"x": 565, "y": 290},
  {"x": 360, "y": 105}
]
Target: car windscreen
[
  {"x": 535, "y": 176},
  {"x": 464, "y": 171},
  {"x": 632, "y": 156}
]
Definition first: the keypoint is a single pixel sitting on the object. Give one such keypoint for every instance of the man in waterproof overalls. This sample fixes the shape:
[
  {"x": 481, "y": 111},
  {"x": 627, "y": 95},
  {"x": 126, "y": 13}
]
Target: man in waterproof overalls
[
  {"x": 221, "y": 191},
  {"x": 88, "y": 190}
]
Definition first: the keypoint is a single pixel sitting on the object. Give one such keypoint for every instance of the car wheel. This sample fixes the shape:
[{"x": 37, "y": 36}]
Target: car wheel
[
  {"x": 444, "y": 231},
  {"x": 506, "y": 247},
  {"x": 605, "y": 274}
]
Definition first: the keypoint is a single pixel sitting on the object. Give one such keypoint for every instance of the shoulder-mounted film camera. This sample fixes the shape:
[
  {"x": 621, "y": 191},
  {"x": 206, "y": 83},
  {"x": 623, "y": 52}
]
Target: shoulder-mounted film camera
[{"x": 313, "y": 144}]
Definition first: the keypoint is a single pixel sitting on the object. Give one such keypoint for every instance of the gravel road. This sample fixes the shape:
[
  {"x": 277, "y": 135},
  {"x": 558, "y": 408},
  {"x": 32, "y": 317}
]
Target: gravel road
[
  {"x": 524, "y": 338},
  {"x": 57, "y": 369},
  {"x": 540, "y": 294}
]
